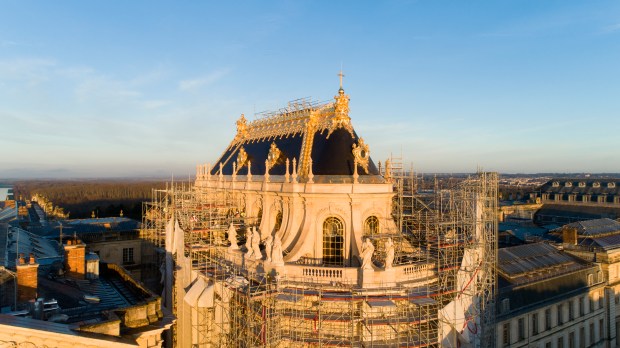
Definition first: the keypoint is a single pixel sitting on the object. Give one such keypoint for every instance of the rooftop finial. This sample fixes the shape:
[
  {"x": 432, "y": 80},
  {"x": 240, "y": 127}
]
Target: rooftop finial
[{"x": 341, "y": 75}]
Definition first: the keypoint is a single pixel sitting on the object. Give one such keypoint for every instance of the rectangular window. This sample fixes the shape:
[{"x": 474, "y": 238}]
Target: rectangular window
[
  {"x": 521, "y": 323},
  {"x": 581, "y": 308},
  {"x": 582, "y": 336},
  {"x": 592, "y": 304},
  {"x": 601, "y": 299},
  {"x": 561, "y": 342},
  {"x": 547, "y": 318},
  {"x": 601, "y": 330},
  {"x": 127, "y": 255},
  {"x": 571, "y": 339},
  {"x": 571, "y": 310},
  {"x": 591, "y": 333},
  {"x": 506, "y": 333},
  {"x": 560, "y": 316},
  {"x": 505, "y": 305},
  {"x": 535, "y": 324}
]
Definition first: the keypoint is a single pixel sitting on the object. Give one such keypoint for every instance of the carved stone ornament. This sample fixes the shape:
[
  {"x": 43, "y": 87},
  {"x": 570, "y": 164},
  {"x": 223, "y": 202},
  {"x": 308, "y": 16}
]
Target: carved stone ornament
[
  {"x": 274, "y": 155},
  {"x": 242, "y": 158},
  {"x": 361, "y": 154}
]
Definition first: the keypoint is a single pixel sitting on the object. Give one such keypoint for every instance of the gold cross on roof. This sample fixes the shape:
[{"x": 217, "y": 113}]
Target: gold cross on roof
[{"x": 341, "y": 76}]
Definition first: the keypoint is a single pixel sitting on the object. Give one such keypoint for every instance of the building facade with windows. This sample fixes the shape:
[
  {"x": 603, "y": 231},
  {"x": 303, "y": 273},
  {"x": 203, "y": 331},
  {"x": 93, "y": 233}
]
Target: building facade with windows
[
  {"x": 549, "y": 298},
  {"x": 597, "y": 241}
]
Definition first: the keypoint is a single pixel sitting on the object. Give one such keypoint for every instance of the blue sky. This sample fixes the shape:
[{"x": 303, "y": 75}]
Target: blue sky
[{"x": 120, "y": 88}]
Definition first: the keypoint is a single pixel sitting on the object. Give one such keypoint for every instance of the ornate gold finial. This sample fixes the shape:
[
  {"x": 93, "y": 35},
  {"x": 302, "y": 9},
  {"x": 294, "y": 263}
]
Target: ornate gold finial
[
  {"x": 274, "y": 155},
  {"x": 242, "y": 128},
  {"x": 242, "y": 158},
  {"x": 341, "y": 117},
  {"x": 361, "y": 154},
  {"x": 388, "y": 171}
]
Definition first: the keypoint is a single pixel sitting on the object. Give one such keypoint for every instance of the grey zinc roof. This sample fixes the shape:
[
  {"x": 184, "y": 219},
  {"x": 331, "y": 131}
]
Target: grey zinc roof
[
  {"x": 530, "y": 262},
  {"x": 606, "y": 242},
  {"x": 596, "y": 227}
]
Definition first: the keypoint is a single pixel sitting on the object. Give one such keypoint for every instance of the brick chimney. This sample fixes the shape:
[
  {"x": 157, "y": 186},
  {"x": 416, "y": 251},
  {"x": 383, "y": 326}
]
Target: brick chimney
[
  {"x": 569, "y": 235},
  {"x": 75, "y": 258},
  {"x": 27, "y": 282}
]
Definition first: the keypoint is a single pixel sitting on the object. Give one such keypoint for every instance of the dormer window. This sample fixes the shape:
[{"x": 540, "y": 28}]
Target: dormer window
[
  {"x": 582, "y": 184},
  {"x": 596, "y": 184},
  {"x": 556, "y": 184},
  {"x": 568, "y": 184},
  {"x": 611, "y": 185}
]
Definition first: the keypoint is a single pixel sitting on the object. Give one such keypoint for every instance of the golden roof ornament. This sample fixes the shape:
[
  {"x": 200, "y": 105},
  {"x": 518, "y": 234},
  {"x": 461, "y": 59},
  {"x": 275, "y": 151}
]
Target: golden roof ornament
[
  {"x": 242, "y": 158},
  {"x": 361, "y": 154},
  {"x": 341, "y": 117},
  {"x": 242, "y": 128},
  {"x": 274, "y": 155}
]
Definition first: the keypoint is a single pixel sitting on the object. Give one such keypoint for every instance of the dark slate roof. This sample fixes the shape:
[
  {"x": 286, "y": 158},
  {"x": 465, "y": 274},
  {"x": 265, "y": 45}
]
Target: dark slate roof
[
  {"x": 575, "y": 212},
  {"x": 582, "y": 186},
  {"x": 46, "y": 251},
  {"x": 83, "y": 226},
  {"x": 330, "y": 156}
]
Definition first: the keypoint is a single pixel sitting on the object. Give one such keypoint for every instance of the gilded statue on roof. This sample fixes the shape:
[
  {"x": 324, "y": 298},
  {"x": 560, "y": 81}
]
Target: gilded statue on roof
[
  {"x": 242, "y": 128},
  {"x": 242, "y": 158},
  {"x": 274, "y": 155}
]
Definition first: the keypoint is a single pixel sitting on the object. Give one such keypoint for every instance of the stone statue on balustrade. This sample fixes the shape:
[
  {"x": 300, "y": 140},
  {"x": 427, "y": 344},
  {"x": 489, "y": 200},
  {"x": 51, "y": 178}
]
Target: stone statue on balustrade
[
  {"x": 268, "y": 245},
  {"x": 277, "y": 257},
  {"x": 368, "y": 249},
  {"x": 255, "y": 244},
  {"x": 232, "y": 237},
  {"x": 248, "y": 242},
  {"x": 389, "y": 253}
]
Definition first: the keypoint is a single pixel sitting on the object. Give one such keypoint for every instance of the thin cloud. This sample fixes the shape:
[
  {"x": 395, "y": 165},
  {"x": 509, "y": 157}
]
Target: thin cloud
[
  {"x": 611, "y": 28},
  {"x": 155, "y": 104},
  {"x": 193, "y": 84}
]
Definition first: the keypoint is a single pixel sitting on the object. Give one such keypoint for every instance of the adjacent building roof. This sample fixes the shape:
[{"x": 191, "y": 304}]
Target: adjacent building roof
[
  {"x": 534, "y": 275},
  {"x": 595, "y": 227},
  {"x": 582, "y": 186},
  {"x": 84, "y": 226},
  {"x": 532, "y": 262},
  {"x": 18, "y": 241}
]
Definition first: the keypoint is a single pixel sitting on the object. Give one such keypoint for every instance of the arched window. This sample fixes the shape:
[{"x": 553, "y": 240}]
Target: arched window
[
  {"x": 278, "y": 223},
  {"x": 333, "y": 242},
  {"x": 371, "y": 225}
]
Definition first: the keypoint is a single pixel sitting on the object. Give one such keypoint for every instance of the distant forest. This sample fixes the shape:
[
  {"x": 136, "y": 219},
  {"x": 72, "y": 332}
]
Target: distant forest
[{"x": 80, "y": 198}]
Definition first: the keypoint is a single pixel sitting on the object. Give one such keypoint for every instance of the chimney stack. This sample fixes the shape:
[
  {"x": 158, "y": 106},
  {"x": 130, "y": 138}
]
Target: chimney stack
[
  {"x": 27, "y": 282},
  {"x": 569, "y": 235},
  {"x": 75, "y": 259}
]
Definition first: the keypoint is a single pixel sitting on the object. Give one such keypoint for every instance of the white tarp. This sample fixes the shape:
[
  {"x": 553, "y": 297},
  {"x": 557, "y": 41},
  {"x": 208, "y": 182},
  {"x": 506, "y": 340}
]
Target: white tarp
[{"x": 200, "y": 294}]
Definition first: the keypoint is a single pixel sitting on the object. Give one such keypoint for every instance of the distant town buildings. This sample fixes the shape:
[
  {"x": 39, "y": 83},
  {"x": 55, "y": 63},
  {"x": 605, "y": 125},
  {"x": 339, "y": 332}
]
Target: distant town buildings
[{"x": 56, "y": 292}]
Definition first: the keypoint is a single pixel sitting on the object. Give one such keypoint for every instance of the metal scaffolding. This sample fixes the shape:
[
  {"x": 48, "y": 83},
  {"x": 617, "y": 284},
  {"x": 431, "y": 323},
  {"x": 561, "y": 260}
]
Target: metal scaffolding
[{"x": 445, "y": 226}]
